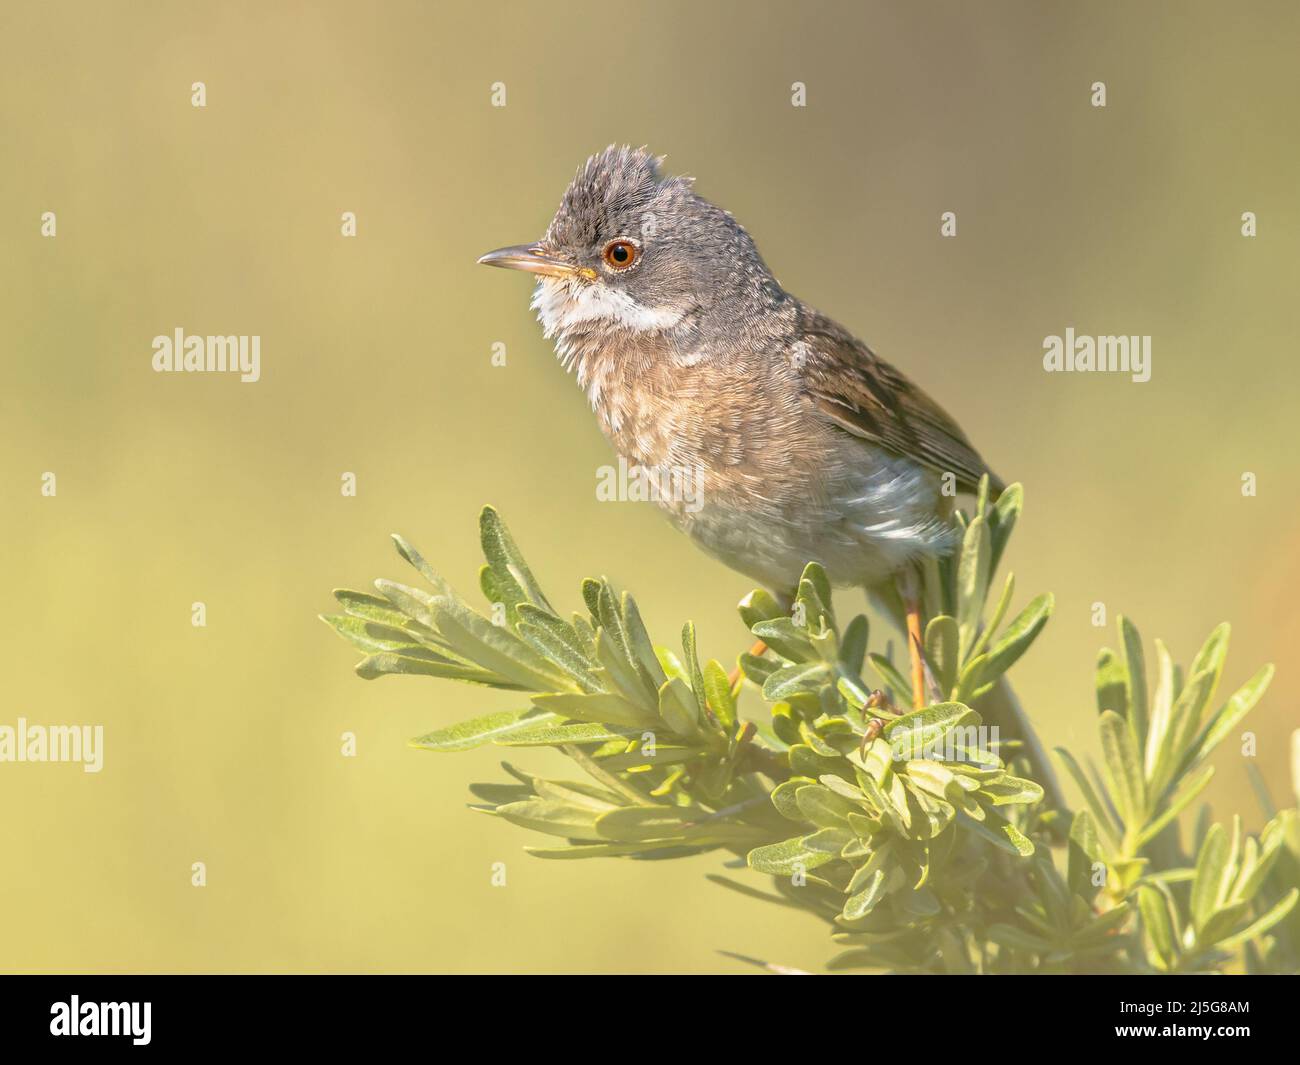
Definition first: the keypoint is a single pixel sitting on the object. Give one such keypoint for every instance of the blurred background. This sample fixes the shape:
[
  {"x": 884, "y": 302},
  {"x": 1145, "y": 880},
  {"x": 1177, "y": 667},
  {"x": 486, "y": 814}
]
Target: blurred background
[{"x": 222, "y": 744}]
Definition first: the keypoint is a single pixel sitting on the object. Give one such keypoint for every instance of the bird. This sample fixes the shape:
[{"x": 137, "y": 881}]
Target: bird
[{"x": 804, "y": 444}]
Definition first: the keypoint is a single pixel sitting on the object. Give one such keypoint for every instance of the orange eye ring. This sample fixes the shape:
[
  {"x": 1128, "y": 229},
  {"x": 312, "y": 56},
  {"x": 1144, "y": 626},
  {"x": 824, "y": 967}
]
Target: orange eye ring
[{"x": 621, "y": 254}]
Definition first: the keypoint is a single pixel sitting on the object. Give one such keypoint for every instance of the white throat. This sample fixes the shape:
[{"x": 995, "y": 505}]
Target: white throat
[{"x": 562, "y": 306}]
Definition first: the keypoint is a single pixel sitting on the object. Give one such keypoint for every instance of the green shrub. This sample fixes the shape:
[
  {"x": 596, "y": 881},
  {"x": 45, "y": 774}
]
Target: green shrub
[{"x": 928, "y": 841}]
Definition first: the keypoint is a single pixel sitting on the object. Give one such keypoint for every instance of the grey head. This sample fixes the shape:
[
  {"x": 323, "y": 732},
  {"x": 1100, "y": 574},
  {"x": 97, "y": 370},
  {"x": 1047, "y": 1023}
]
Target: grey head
[{"x": 631, "y": 251}]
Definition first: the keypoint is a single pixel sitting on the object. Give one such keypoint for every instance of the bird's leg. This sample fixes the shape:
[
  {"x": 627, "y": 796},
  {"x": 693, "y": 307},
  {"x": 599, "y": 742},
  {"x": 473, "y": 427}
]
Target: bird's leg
[{"x": 910, "y": 592}]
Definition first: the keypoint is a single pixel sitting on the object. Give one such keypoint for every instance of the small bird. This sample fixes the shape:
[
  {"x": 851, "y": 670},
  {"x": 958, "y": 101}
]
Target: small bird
[{"x": 702, "y": 369}]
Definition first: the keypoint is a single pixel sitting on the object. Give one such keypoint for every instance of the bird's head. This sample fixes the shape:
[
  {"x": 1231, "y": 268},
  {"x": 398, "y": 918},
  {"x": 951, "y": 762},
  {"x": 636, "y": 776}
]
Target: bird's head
[{"x": 630, "y": 251}]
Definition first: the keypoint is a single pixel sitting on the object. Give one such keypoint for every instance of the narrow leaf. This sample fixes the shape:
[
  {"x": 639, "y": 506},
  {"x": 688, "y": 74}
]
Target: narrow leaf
[
  {"x": 480, "y": 730},
  {"x": 1124, "y": 769}
]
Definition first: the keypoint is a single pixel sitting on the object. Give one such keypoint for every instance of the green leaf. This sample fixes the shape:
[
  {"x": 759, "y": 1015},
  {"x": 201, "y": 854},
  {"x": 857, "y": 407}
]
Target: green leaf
[
  {"x": 548, "y": 641},
  {"x": 1019, "y": 635},
  {"x": 853, "y": 645},
  {"x": 938, "y": 779},
  {"x": 640, "y": 647},
  {"x": 631, "y": 824},
  {"x": 1008, "y": 790},
  {"x": 663, "y": 848},
  {"x": 1135, "y": 691},
  {"x": 1184, "y": 721},
  {"x": 759, "y": 605},
  {"x": 942, "y": 648},
  {"x": 1002, "y": 519},
  {"x": 825, "y": 808},
  {"x": 756, "y": 670},
  {"x": 864, "y": 901},
  {"x": 786, "y": 638},
  {"x": 971, "y": 680},
  {"x": 496, "y": 648},
  {"x": 1161, "y": 709},
  {"x": 1227, "y": 718},
  {"x": 1124, "y": 769},
  {"x": 1112, "y": 683},
  {"x": 1222, "y": 922},
  {"x": 787, "y": 858},
  {"x": 882, "y": 803},
  {"x": 973, "y": 570},
  {"x": 503, "y": 593},
  {"x": 1211, "y": 657},
  {"x": 678, "y": 708},
  {"x": 555, "y": 735},
  {"x": 1013, "y": 938},
  {"x": 815, "y": 593},
  {"x": 1084, "y": 854},
  {"x": 505, "y": 558},
  {"x": 500, "y": 794},
  {"x": 832, "y": 840},
  {"x": 374, "y": 636},
  {"x": 415, "y": 604},
  {"x": 717, "y": 689},
  {"x": 610, "y": 620},
  {"x": 806, "y": 762},
  {"x": 1000, "y": 832},
  {"x": 552, "y": 817},
  {"x": 1100, "y": 810},
  {"x": 1191, "y": 787},
  {"x": 1156, "y": 919},
  {"x": 999, "y": 612},
  {"x": 785, "y": 797},
  {"x": 1277, "y": 912},
  {"x": 372, "y": 608},
  {"x": 480, "y": 730},
  {"x": 577, "y": 792},
  {"x": 618, "y": 672},
  {"x": 603, "y": 708},
  {"x": 386, "y": 663},
  {"x": 914, "y": 734},
  {"x": 412, "y": 556},
  {"x": 692, "y": 663},
  {"x": 591, "y": 591},
  {"x": 1258, "y": 860},
  {"x": 792, "y": 679},
  {"x": 1207, "y": 888}
]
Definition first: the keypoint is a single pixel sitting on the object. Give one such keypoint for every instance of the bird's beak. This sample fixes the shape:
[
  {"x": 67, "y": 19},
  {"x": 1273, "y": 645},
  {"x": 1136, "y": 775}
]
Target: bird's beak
[{"x": 532, "y": 259}]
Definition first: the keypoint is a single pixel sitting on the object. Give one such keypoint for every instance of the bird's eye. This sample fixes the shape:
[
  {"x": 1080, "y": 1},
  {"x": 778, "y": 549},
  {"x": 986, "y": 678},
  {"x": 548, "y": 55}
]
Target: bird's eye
[{"x": 620, "y": 254}]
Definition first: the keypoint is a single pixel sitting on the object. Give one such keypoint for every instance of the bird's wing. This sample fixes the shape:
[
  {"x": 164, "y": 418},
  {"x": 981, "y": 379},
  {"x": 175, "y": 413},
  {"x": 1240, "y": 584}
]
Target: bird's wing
[{"x": 866, "y": 396}]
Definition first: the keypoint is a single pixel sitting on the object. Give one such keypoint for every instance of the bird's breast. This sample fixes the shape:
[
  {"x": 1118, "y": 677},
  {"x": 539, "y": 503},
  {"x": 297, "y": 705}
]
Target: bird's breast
[{"x": 737, "y": 457}]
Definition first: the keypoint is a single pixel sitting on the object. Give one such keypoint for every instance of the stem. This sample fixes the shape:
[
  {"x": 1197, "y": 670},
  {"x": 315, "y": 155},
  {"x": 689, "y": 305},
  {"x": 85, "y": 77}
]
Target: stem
[
  {"x": 763, "y": 760},
  {"x": 611, "y": 780},
  {"x": 1002, "y": 708}
]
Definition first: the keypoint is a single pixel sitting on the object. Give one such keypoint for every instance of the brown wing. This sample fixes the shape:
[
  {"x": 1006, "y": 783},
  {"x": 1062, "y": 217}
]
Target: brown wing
[{"x": 866, "y": 396}]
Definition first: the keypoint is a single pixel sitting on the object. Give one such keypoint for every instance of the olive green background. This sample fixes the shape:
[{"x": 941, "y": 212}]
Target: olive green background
[{"x": 223, "y": 743}]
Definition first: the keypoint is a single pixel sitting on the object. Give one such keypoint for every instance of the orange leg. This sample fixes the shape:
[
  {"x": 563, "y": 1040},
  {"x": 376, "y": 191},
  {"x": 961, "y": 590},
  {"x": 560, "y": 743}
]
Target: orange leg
[
  {"x": 733, "y": 678},
  {"x": 909, "y": 591},
  {"x": 914, "y": 645}
]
